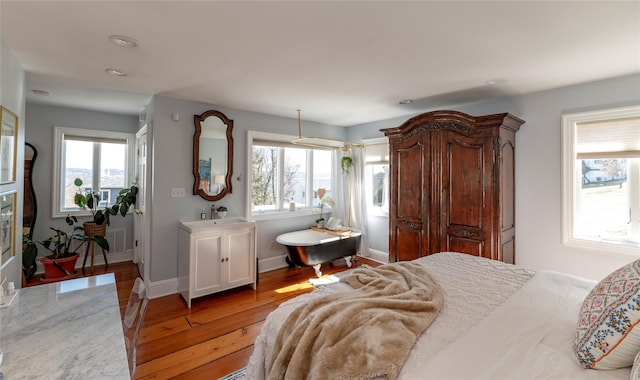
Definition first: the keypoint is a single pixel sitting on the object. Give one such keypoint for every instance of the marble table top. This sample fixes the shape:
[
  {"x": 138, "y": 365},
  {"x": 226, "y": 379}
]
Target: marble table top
[{"x": 65, "y": 330}]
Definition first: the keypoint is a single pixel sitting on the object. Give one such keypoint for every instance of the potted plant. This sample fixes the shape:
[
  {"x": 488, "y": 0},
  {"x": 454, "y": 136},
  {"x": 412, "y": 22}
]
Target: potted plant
[
  {"x": 222, "y": 212},
  {"x": 345, "y": 164},
  {"x": 101, "y": 216},
  {"x": 60, "y": 264},
  {"x": 323, "y": 201},
  {"x": 91, "y": 201},
  {"x": 29, "y": 255}
]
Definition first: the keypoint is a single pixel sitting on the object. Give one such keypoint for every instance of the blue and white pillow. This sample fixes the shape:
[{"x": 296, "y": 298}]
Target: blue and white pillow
[{"x": 608, "y": 336}]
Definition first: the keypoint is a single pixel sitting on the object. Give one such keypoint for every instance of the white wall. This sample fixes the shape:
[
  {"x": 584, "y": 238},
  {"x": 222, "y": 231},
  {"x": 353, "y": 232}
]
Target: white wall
[
  {"x": 538, "y": 181},
  {"x": 12, "y": 97}
]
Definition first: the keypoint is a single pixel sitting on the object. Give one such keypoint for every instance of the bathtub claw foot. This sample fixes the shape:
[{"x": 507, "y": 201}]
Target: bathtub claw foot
[
  {"x": 317, "y": 269},
  {"x": 347, "y": 259}
]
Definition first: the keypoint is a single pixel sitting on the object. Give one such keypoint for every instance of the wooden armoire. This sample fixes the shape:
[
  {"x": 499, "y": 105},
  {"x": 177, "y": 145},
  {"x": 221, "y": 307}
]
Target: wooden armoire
[{"x": 452, "y": 185}]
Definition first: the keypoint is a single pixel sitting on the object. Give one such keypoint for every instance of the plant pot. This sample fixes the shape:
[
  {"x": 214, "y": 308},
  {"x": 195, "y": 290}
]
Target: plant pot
[
  {"x": 92, "y": 229},
  {"x": 222, "y": 214},
  {"x": 53, "y": 273}
]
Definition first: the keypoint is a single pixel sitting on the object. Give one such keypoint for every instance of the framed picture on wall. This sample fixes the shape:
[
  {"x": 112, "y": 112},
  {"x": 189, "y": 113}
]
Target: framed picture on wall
[
  {"x": 8, "y": 145},
  {"x": 7, "y": 226}
]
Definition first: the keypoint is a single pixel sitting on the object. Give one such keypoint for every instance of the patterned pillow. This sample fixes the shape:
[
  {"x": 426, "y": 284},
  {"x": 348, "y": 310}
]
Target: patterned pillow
[
  {"x": 635, "y": 370},
  {"x": 606, "y": 336}
]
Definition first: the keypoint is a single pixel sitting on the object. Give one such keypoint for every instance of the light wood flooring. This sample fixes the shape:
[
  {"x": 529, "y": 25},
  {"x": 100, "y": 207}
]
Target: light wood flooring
[{"x": 214, "y": 337}]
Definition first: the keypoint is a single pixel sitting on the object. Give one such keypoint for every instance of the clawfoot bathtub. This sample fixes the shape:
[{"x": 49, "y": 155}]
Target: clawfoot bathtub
[{"x": 315, "y": 247}]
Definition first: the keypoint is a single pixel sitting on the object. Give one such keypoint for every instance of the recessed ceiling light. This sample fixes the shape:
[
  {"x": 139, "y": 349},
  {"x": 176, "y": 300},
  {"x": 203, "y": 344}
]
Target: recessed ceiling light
[
  {"x": 116, "y": 72},
  {"x": 406, "y": 101},
  {"x": 123, "y": 41},
  {"x": 40, "y": 92},
  {"x": 496, "y": 81}
]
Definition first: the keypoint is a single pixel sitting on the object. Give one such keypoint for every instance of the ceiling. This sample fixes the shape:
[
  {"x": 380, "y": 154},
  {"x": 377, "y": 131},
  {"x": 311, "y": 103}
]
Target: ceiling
[{"x": 342, "y": 63}]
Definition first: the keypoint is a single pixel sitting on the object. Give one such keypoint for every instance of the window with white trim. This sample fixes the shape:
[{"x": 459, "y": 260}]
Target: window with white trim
[
  {"x": 102, "y": 159},
  {"x": 377, "y": 176},
  {"x": 601, "y": 179},
  {"x": 288, "y": 177}
]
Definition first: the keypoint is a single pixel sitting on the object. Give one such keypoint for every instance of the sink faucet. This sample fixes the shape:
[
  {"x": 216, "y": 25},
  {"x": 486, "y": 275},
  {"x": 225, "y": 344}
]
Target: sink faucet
[{"x": 213, "y": 211}]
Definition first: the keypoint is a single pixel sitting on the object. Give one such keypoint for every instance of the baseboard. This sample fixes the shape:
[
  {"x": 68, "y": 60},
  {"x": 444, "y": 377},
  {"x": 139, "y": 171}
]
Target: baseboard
[
  {"x": 379, "y": 256},
  {"x": 272, "y": 263},
  {"x": 163, "y": 288},
  {"x": 113, "y": 258}
]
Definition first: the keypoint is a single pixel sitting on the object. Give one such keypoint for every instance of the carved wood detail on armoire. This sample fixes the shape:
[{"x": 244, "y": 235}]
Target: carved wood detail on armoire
[{"x": 452, "y": 185}]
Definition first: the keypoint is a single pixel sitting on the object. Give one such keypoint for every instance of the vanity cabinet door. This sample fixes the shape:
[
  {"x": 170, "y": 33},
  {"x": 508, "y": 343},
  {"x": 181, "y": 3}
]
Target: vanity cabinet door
[
  {"x": 207, "y": 260},
  {"x": 239, "y": 269}
]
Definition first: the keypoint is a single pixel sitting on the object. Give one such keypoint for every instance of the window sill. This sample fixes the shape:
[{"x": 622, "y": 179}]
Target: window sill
[
  {"x": 275, "y": 215},
  {"x": 622, "y": 248}
]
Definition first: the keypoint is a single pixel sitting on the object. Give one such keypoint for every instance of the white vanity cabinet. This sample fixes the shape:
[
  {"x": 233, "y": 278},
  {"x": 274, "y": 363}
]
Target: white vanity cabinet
[{"x": 215, "y": 255}]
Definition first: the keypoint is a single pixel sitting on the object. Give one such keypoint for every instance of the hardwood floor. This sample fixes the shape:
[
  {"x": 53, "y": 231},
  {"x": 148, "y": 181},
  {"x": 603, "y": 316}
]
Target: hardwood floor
[{"x": 215, "y": 336}]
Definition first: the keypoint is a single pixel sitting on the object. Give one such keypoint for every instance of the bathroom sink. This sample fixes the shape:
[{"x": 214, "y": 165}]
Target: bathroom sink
[{"x": 195, "y": 226}]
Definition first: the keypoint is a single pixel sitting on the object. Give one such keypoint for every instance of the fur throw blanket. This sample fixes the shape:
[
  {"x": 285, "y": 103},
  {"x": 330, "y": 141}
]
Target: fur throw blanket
[{"x": 358, "y": 334}]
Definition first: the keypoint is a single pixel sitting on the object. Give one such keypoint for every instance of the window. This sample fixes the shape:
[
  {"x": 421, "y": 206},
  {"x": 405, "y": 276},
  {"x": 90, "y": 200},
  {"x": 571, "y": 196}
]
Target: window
[
  {"x": 283, "y": 173},
  {"x": 601, "y": 179},
  {"x": 102, "y": 159},
  {"x": 377, "y": 176}
]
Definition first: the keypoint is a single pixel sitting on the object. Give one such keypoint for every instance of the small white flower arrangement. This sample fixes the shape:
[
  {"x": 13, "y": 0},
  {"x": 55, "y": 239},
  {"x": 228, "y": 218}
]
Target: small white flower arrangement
[{"x": 324, "y": 201}]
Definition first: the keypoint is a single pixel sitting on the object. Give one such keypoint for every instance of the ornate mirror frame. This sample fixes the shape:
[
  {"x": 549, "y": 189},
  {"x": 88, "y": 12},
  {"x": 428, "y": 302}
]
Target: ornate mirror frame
[
  {"x": 198, "y": 182},
  {"x": 30, "y": 203}
]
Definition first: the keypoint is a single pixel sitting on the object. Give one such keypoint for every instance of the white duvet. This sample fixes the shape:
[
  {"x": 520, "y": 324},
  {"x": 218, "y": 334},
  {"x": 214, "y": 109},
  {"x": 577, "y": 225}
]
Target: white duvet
[
  {"x": 530, "y": 336},
  {"x": 499, "y": 321}
]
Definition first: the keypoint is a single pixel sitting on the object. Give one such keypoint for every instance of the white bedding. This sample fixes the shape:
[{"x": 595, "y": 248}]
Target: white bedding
[
  {"x": 473, "y": 337},
  {"x": 530, "y": 336}
]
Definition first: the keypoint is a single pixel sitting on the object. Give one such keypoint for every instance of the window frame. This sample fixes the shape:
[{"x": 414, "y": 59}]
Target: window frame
[
  {"x": 571, "y": 175},
  {"x": 282, "y": 214},
  {"x": 371, "y": 209},
  {"x": 58, "y": 154}
]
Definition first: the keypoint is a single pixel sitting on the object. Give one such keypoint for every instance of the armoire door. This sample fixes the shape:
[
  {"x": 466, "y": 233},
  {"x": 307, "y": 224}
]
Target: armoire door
[
  {"x": 467, "y": 193},
  {"x": 409, "y": 237}
]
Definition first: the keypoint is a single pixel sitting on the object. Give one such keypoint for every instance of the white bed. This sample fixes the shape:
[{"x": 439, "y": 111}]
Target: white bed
[{"x": 498, "y": 321}]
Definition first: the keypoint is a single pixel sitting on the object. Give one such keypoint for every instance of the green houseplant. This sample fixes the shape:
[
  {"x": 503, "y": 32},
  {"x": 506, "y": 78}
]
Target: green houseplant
[
  {"x": 101, "y": 217},
  {"x": 64, "y": 253},
  {"x": 29, "y": 255},
  {"x": 91, "y": 201},
  {"x": 345, "y": 164},
  {"x": 222, "y": 212}
]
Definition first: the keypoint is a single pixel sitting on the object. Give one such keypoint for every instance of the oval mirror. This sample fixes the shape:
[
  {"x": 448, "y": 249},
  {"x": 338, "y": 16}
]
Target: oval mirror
[{"x": 212, "y": 155}]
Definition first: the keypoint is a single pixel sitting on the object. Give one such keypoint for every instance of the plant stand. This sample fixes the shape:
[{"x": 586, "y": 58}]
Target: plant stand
[{"x": 91, "y": 229}]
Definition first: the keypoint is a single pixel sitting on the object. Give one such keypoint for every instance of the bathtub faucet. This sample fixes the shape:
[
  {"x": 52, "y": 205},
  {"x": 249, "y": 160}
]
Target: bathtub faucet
[{"x": 213, "y": 211}]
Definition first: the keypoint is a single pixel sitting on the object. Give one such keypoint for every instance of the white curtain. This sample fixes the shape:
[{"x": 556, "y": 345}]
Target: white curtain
[{"x": 351, "y": 205}]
